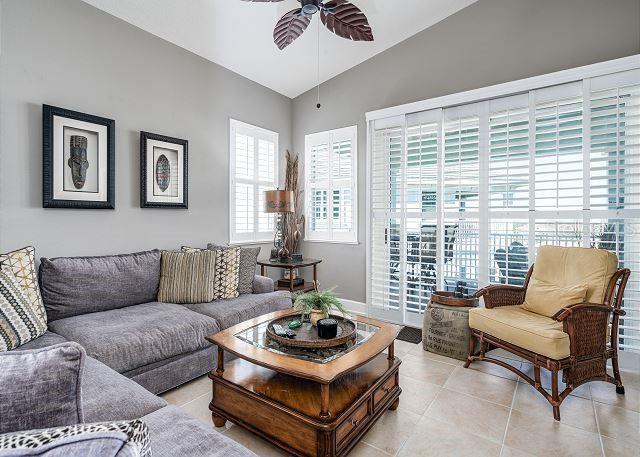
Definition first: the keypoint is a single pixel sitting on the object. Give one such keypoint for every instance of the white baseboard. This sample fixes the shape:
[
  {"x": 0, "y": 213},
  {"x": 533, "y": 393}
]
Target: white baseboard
[{"x": 355, "y": 307}]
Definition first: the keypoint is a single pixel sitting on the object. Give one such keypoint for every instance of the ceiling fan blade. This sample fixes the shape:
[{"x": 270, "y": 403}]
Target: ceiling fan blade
[
  {"x": 346, "y": 20},
  {"x": 290, "y": 27}
]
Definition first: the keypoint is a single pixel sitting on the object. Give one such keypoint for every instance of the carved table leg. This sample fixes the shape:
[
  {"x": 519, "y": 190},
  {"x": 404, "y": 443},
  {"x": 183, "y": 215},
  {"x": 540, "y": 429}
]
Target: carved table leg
[
  {"x": 220, "y": 367},
  {"x": 395, "y": 404},
  {"x": 218, "y": 421},
  {"x": 324, "y": 401}
]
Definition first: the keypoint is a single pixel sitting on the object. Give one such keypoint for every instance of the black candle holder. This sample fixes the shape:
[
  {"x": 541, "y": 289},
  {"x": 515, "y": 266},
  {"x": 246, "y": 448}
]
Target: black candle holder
[{"x": 327, "y": 328}]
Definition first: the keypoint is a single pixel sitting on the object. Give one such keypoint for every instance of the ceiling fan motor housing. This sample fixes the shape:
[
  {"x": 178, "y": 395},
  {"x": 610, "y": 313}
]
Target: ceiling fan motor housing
[{"x": 310, "y": 7}]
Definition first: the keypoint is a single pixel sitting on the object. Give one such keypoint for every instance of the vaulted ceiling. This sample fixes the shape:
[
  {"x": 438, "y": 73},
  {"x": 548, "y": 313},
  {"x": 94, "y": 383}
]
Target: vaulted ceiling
[{"x": 238, "y": 34}]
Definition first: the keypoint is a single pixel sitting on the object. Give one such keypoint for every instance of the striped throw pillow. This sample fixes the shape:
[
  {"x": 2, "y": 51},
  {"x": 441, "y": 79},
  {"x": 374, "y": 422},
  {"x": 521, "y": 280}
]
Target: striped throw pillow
[
  {"x": 187, "y": 277},
  {"x": 19, "y": 321}
]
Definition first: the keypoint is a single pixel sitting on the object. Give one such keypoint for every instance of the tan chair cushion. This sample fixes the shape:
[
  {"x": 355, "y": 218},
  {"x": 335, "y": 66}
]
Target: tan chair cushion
[
  {"x": 515, "y": 325},
  {"x": 573, "y": 266},
  {"x": 547, "y": 299}
]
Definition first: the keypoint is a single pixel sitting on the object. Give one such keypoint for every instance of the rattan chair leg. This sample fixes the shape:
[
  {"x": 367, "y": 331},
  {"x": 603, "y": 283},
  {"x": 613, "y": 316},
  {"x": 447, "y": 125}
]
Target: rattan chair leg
[
  {"x": 616, "y": 373},
  {"x": 555, "y": 398},
  {"x": 472, "y": 347}
]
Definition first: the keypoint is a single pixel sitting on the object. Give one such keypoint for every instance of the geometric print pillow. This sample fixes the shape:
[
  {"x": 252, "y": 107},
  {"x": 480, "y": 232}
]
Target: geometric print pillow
[
  {"x": 19, "y": 322},
  {"x": 22, "y": 262},
  {"x": 227, "y": 273},
  {"x": 136, "y": 431}
]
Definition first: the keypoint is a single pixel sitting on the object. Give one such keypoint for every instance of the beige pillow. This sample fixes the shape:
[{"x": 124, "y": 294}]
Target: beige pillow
[
  {"x": 187, "y": 277},
  {"x": 547, "y": 299}
]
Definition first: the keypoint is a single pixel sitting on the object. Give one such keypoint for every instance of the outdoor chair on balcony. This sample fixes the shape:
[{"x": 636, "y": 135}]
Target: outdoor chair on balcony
[{"x": 558, "y": 320}]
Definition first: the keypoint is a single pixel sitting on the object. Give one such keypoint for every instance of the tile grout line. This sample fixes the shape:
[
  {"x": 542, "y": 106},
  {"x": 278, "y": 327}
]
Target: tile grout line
[
  {"x": 513, "y": 402},
  {"x": 595, "y": 416}
]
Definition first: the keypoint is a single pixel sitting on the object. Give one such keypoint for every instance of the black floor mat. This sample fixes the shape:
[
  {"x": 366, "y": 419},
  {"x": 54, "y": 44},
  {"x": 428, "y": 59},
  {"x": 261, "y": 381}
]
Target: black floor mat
[{"x": 410, "y": 334}]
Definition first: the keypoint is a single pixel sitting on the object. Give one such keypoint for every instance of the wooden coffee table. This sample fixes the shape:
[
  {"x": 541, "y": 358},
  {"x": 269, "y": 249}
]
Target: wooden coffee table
[{"x": 309, "y": 404}]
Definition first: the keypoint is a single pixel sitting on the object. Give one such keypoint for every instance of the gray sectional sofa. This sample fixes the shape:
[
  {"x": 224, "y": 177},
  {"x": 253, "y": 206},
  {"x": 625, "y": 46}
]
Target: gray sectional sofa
[{"x": 137, "y": 347}]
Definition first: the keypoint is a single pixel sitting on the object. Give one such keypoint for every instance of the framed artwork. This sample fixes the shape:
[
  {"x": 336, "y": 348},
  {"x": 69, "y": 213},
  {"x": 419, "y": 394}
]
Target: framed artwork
[
  {"x": 78, "y": 163},
  {"x": 163, "y": 171}
]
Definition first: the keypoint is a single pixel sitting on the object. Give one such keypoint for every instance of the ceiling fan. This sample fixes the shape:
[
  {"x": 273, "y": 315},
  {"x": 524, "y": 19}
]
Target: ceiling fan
[{"x": 340, "y": 16}]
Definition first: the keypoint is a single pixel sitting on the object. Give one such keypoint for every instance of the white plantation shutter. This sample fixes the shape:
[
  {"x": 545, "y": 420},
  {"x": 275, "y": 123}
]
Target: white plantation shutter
[
  {"x": 331, "y": 185},
  {"x": 253, "y": 170},
  {"x": 462, "y": 196},
  {"x": 388, "y": 260},
  {"x": 558, "y": 159}
]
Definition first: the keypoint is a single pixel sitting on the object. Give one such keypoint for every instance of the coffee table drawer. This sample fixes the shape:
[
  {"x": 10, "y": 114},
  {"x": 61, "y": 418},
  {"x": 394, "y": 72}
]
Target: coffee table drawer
[
  {"x": 381, "y": 392},
  {"x": 353, "y": 422}
]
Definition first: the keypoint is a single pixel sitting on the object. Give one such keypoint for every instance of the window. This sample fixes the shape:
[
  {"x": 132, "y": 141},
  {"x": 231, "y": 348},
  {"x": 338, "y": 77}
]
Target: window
[
  {"x": 331, "y": 185},
  {"x": 462, "y": 196},
  {"x": 253, "y": 158}
]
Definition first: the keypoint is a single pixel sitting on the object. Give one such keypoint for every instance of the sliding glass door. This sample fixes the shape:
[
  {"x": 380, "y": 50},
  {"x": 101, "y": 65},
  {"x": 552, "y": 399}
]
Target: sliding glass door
[{"x": 460, "y": 197}]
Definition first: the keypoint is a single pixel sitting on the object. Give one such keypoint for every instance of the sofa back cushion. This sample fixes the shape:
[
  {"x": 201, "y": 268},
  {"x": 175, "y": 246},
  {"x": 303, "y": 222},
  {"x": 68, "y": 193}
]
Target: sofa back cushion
[
  {"x": 79, "y": 285},
  {"x": 574, "y": 266},
  {"x": 41, "y": 388}
]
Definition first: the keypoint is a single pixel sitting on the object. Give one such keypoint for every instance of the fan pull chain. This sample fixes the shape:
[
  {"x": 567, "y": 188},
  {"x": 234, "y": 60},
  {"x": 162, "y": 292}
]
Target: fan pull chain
[{"x": 318, "y": 105}]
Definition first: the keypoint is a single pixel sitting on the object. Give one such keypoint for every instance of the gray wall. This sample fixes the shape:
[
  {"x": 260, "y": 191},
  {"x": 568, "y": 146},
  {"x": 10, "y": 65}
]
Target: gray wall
[
  {"x": 69, "y": 54},
  {"x": 489, "y": 42}
]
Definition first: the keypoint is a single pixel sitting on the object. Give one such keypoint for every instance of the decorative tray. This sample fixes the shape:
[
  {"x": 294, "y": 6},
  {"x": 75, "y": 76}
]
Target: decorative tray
[
  {"x": 307, "y": 334},
  {"x": 449, "y": 299}
]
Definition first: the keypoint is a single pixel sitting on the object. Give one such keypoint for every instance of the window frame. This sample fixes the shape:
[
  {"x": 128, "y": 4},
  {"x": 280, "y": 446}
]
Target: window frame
[
  {"x": 258, "y": 133},
  {"x": 331, "y": 137}
]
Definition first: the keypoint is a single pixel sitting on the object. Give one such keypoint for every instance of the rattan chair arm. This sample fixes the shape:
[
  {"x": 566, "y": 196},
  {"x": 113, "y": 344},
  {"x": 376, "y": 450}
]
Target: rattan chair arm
[
  {"x": 498, "y": 295},
  {"x": 567, "y": 311}
]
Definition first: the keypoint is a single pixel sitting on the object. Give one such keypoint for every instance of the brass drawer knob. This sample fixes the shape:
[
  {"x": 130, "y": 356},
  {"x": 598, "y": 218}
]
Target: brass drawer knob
[
  {"x": 387, "y": 389},
  {"x": 355, "y": 422}
]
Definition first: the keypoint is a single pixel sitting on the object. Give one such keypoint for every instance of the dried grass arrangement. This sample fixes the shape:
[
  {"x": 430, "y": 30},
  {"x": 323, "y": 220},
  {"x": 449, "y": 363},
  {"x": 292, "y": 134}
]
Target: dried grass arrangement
[{"x": 293, "y": 222}]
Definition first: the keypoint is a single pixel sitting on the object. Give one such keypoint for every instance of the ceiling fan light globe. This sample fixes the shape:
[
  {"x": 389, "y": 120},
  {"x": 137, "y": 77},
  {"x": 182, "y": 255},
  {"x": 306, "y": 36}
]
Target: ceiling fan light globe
[{"x": 310, "y": 7}]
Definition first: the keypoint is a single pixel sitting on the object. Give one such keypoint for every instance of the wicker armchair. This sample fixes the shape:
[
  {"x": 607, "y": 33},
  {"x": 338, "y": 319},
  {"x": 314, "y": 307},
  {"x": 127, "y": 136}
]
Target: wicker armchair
[{"x": 586, "y": 324}]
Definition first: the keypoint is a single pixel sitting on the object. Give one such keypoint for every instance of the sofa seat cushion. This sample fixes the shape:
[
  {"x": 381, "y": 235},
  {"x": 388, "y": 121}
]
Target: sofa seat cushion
[
  {"x": 169, "y": 426},
  {"x": 110, "y": 396},
  {"x": 244, "y": 307},
  {"x": 46, "y": 340},
  {"x": 515, "y": 325},
  {"x": 127, "y": 338}
]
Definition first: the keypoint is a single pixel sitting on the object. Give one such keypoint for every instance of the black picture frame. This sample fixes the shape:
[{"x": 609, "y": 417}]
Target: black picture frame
[
  {"x": 48, "y": 200},
  {"x": 144, "y": 203}
]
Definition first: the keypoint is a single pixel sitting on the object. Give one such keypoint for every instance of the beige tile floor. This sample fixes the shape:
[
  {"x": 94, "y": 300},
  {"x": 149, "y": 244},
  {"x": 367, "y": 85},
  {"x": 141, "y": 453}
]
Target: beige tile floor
[{"x": 446, "y": 410}]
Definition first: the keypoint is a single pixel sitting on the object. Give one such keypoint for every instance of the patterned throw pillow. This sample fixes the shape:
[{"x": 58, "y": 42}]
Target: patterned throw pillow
[
  {"x": 227, "y": 273},
  {"x": 22, "y": 262},
  {"x": 19, "y": 322},
  {"x": 248, "y": 262},
  {"x": 187, "y": 277},
  {"x": 136, "y": 430}
]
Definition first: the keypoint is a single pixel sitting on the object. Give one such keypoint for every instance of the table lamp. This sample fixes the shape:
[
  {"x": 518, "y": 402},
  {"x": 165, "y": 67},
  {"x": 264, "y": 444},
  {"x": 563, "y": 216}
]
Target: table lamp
[{"x": 279, "y": 202}]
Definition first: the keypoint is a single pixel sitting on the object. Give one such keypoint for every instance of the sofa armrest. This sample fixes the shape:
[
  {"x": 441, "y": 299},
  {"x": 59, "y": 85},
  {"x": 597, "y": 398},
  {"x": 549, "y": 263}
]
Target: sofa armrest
[
  {"x": 41, "y": 388},
  {"x": 262, "y": 285},
  {"x": 501, "y": 295}
]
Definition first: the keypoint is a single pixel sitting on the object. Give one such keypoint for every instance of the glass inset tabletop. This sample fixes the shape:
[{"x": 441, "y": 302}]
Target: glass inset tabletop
[{"x": 257, "y": 336}]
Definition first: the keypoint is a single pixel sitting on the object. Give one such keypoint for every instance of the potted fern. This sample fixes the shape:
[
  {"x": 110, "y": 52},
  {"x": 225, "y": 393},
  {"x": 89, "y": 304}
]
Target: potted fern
[{"x": 317, "y": 305}]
